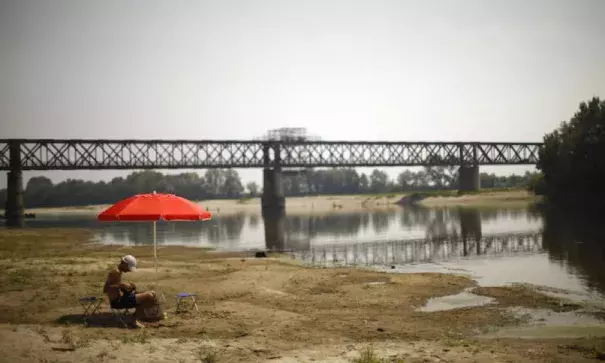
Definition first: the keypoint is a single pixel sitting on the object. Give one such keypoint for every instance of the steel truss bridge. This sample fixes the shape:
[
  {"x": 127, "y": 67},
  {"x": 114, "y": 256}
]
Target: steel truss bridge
[{"x": 47, "y": 154}]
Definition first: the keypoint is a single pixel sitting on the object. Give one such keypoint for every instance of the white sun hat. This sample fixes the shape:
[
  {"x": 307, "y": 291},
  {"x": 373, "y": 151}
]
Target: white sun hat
[{"x": 130, "y": 261}]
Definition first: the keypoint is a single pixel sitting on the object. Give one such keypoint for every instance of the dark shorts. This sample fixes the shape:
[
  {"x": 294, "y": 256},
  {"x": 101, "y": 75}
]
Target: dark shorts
[{"x": 126, "y": 301}]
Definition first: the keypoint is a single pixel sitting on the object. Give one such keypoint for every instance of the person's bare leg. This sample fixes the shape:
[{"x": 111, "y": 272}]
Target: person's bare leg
[{"x": 146, "y": 300}]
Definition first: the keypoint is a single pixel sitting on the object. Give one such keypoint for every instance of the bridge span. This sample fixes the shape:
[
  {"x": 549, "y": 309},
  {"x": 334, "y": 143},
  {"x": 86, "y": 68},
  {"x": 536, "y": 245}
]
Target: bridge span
[
  {"x": 48, "y": 154},
  {"x": 275, "y": 157}
]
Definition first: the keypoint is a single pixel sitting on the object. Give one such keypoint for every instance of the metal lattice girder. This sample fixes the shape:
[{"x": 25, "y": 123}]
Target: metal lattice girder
[
  {"x": 134, "y": 154},
  {"x": 4, "y": 155},
  {"x": 350, "y": 154},
  {"x": 158, "y": 154}
]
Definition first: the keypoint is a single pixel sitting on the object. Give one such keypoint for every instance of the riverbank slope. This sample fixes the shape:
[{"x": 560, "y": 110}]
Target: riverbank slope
[{"x": 251, "y": 310}]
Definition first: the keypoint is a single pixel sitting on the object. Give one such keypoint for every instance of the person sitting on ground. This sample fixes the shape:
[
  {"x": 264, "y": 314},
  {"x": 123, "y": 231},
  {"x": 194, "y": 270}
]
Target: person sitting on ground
[{"x": 124, "y": 295}]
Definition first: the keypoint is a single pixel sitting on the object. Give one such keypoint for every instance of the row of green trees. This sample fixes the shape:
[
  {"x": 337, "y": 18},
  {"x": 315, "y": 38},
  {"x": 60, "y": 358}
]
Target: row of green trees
[
  {"x": 349, "y": 181},
  {"x": 572, "y": 161},
  {"x": 226, "y": 183}
]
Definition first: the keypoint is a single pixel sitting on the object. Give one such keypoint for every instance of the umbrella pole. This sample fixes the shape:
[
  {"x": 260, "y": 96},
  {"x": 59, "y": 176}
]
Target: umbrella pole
[
  {"x": 155, "y": 254},
  {"x": 155, "y": 259}
]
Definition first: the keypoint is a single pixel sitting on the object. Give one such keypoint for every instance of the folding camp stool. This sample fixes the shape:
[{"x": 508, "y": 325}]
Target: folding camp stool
[
  {"x": 120, "y": 314},
  {"x": 181, "y": 301},
  {"x": 91, "y": 305}
]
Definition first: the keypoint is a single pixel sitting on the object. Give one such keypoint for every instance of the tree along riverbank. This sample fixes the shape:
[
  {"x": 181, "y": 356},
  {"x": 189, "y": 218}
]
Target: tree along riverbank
[
  {"x": 572, "y": 163},
  {"x": 226, "y": 184}
]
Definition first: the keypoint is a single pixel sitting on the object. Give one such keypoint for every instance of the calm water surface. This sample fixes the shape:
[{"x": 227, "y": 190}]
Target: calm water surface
[
  {"x": 496, "y": 245},
  {"x": 245, "y": 232}
]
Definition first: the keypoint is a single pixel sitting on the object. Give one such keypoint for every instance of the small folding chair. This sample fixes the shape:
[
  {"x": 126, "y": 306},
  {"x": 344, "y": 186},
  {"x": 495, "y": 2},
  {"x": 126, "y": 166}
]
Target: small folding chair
[
  {"x": 120, "y": 314},
  {"x": 182, "y": 299},
  {"x": 91, "y": 305}
]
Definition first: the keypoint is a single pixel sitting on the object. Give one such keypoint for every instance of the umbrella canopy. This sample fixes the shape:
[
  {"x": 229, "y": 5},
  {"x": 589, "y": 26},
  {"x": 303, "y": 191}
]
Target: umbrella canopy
[{"x": 154, "y": 207}]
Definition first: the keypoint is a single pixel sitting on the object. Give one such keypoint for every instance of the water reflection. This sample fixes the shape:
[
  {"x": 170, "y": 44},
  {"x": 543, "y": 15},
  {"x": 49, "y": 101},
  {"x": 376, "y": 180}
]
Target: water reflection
[
  {"x": 423, "y": 250},
  {"x": 275, "y": 233},
  {"x": 225, "y": 231},
  {"x": 577, "y": 244},
  {"x": 254, "y": 221},
  {"x": 566, "y": 252},
  {"x": 240, "y": 231}
]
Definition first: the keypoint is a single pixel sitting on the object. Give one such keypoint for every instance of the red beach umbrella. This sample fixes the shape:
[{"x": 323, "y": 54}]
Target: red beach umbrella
[{"x": 154, "y": 207}]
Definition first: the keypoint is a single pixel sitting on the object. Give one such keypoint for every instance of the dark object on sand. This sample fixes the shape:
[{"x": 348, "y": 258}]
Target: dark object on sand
[
  {"x": 64, "y": 348},
  {"x": 261, "y": 254}
]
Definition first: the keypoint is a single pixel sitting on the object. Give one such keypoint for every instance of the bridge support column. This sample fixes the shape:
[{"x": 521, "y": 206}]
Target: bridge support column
[
  {"x": 273, "y": 209},
  {"x": 468, "y": 178},
  {"x": 14, "y": 208}
]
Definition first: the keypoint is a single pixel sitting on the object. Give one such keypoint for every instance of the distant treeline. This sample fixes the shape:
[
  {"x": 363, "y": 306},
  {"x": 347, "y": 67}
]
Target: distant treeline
[{"x": 226, "y": 183}]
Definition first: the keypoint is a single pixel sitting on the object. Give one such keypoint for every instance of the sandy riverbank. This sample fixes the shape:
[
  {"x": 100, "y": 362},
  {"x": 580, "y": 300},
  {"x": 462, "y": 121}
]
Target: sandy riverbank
[
  {"x": 484, "y": 198},
  {"x": 251, "y": 310},
  {"x": 334, "y": 204}
]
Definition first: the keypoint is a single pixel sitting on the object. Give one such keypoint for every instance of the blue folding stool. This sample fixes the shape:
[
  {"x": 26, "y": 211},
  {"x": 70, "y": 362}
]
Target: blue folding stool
[{"x": 181, "y": 301}]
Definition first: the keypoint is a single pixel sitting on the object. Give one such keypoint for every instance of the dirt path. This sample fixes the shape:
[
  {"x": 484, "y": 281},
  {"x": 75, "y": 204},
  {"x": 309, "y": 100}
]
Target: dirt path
[{"x": 251, "y": 310}]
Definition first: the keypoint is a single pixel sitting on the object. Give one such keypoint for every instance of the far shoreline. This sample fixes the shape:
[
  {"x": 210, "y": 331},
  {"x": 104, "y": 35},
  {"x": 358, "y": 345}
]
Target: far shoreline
[{"x": 337, "y": 204}]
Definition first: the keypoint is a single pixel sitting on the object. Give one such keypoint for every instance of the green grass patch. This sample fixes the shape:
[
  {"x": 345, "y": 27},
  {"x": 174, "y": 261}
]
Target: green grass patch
[{"x": 142, "y": 337}]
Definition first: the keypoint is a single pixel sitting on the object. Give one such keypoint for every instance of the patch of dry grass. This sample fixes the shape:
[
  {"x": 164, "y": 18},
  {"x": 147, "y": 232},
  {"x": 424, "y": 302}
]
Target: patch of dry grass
[
  {"x": 368, "y": 355},
  {"x": 207, "y": 355}
]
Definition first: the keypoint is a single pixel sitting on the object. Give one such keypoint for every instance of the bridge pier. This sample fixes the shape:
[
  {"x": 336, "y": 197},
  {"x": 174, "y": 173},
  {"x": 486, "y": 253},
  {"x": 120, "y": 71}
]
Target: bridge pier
[
  {"x": 14, "y": 208},
  {"x": 273, "y": 204},
  {"x": 468, "y": 178}
]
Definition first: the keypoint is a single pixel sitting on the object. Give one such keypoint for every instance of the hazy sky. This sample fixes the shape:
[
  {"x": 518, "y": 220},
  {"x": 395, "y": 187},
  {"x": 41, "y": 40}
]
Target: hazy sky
[{"x": 349, "y": 70}]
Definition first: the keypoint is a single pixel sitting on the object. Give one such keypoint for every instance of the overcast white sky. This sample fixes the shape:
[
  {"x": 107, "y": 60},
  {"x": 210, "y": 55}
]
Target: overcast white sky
[{"x": 350, "y": 70}]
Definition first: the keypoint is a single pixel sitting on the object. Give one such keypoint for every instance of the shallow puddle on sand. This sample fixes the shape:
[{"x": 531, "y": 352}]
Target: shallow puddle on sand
[
  {"x": 545, "y": 323},
  {"x": 532, "y": 269},
  {"x": 544, "y": 317},
  {"x": 461, "y": 300},
  {"x": 548, "y": 332}
]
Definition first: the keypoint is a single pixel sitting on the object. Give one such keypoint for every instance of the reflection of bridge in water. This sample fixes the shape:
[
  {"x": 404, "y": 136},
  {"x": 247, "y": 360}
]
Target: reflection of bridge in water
[{"x": 423, "y": 250}]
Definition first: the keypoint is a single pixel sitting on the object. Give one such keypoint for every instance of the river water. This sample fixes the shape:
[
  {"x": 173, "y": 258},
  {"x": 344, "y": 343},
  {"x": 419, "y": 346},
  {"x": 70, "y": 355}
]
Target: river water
[{"x": 495, "y": 245}]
